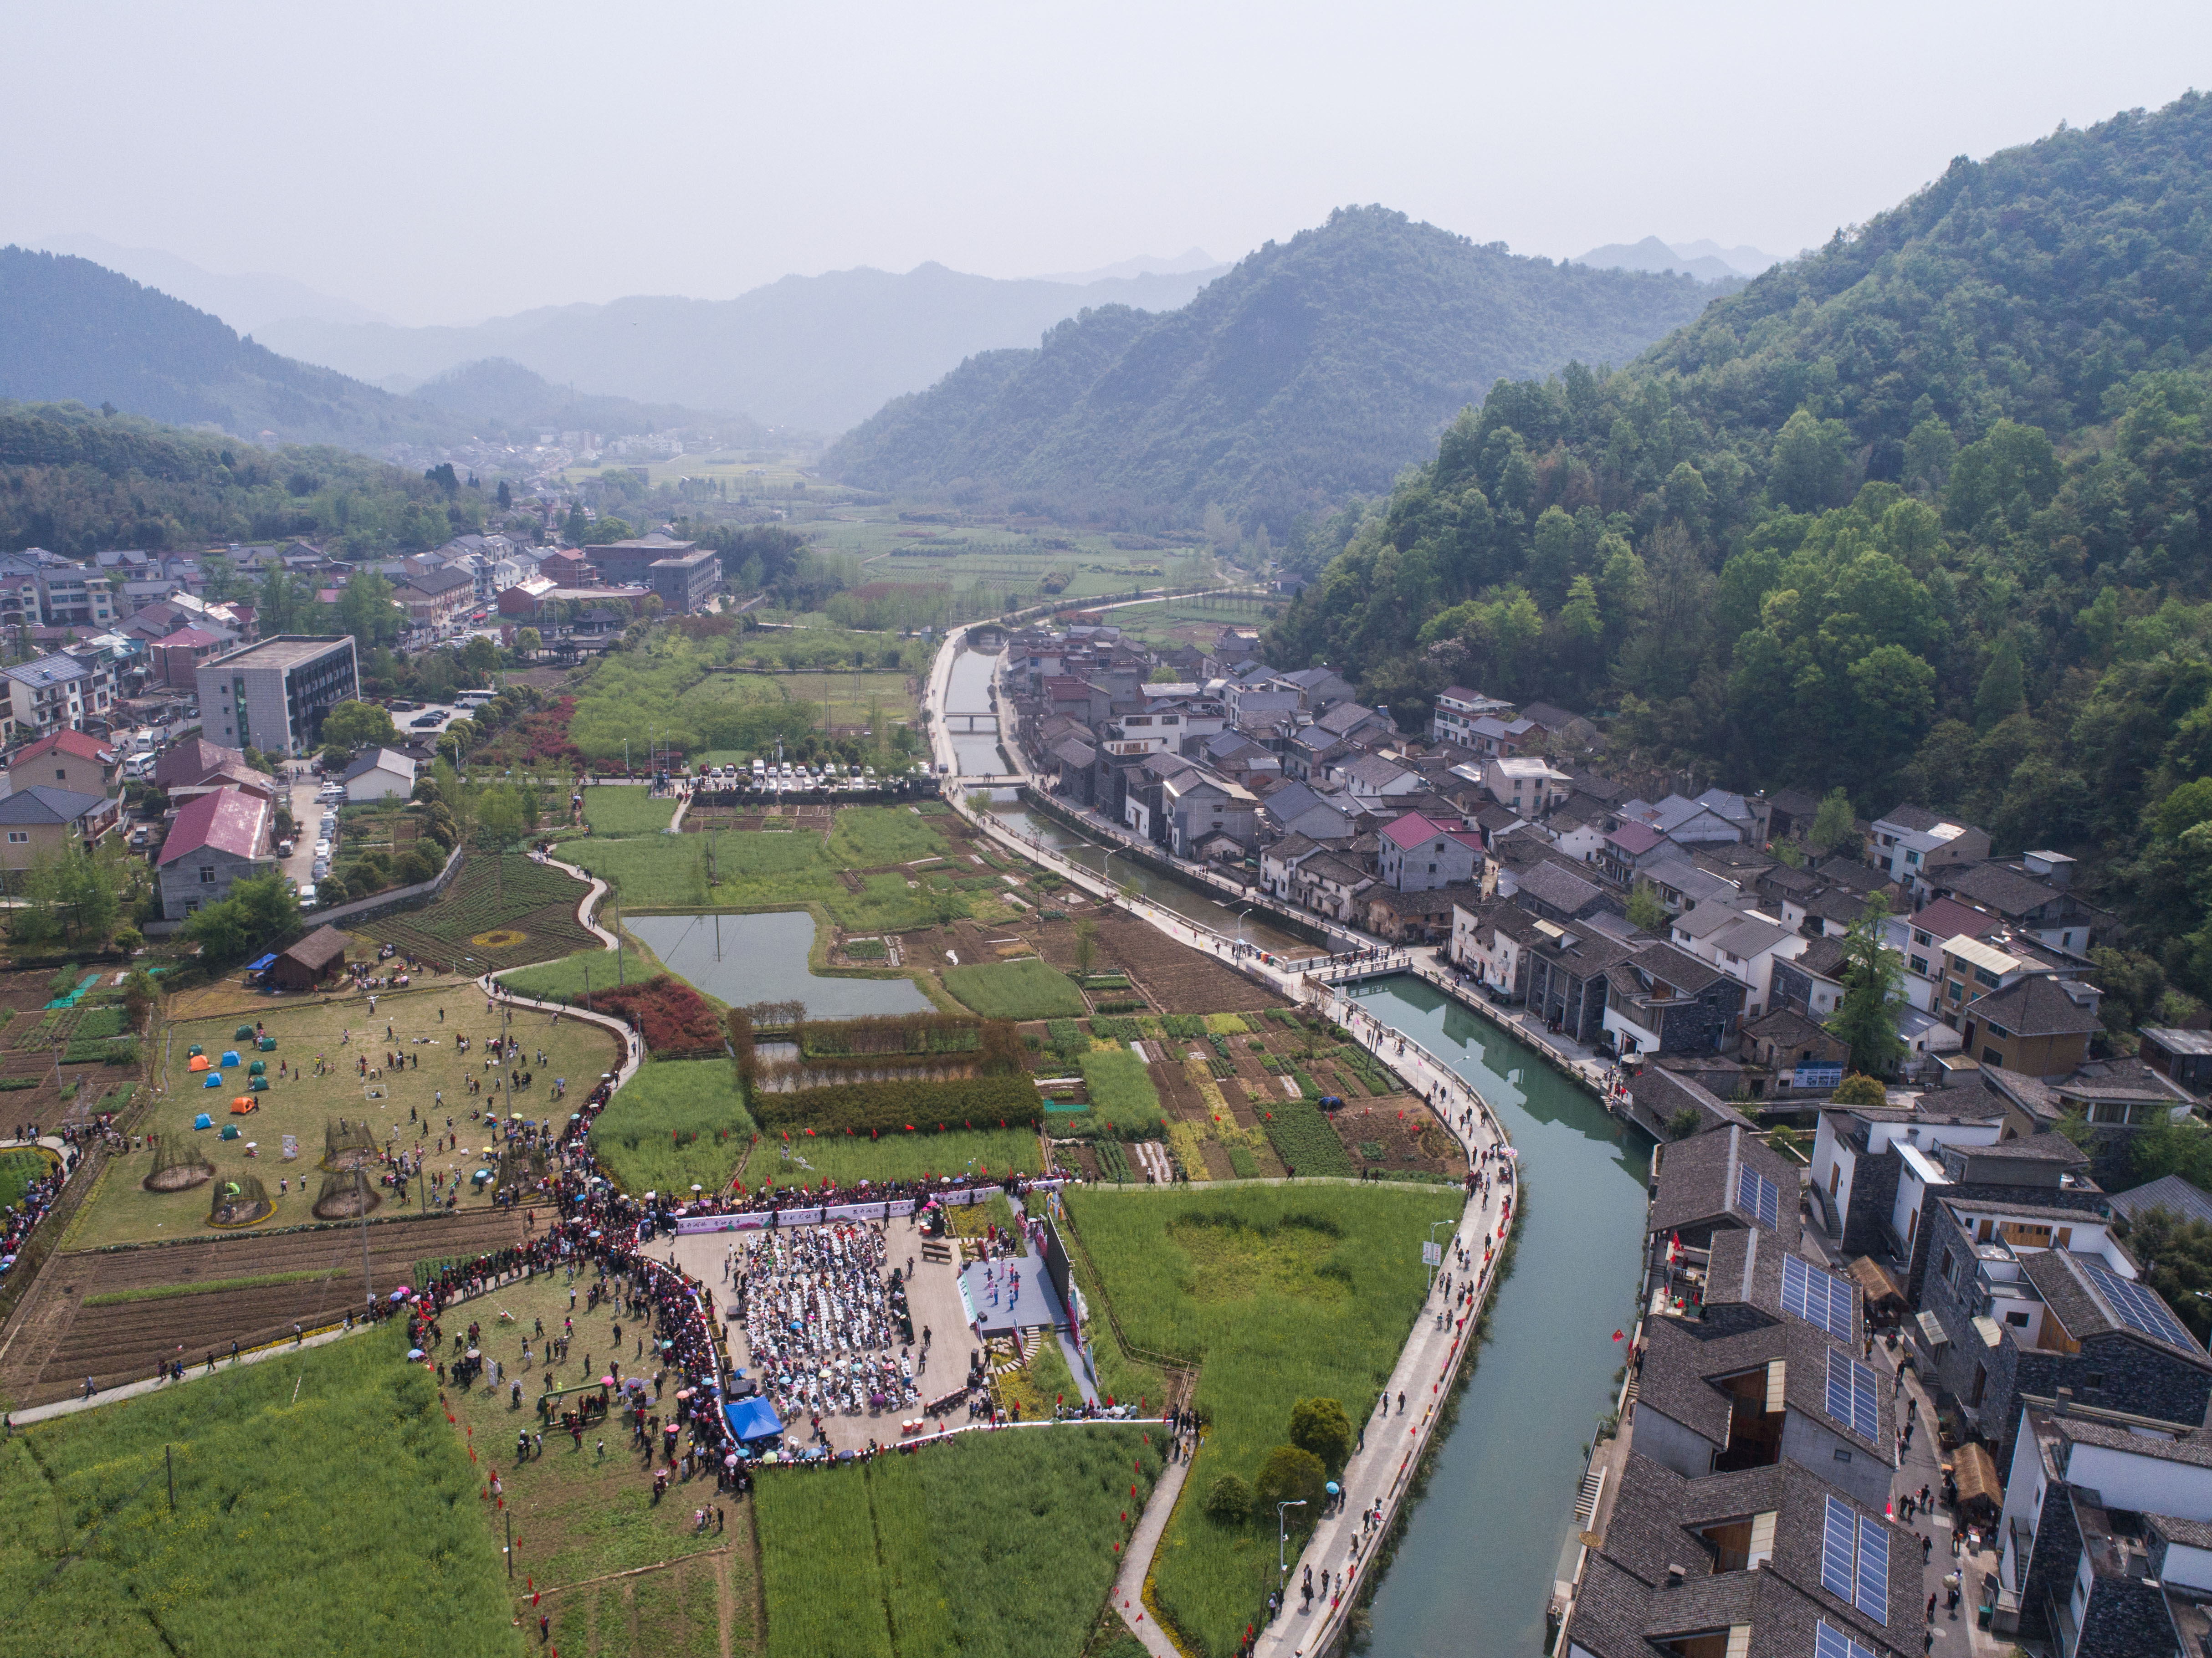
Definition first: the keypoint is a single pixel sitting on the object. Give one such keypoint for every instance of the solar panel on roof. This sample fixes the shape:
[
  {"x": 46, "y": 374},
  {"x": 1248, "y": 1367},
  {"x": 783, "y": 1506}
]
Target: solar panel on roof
[
  {"x": 1827, "y": 1643},
  {"x": 1816, "y": 1297},
  {"x": 2138, "y": 1306},
  {"x": 1851, "y": 1398},
  {"x": 1839, "y": 1549},
  {"x": 1758, "y": 1196},
  {"x": 1872, "y": 1594}
]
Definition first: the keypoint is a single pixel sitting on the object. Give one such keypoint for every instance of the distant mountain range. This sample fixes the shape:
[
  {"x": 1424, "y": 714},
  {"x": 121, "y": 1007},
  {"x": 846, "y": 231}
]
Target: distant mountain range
[
  {"x": 811, "y": 354},
  {"x": 1707, "y": 261},
  {"x": 71, "y": 331},
  {"x": 248, "y": 300},
  {"x": 1313, "y": 371}
]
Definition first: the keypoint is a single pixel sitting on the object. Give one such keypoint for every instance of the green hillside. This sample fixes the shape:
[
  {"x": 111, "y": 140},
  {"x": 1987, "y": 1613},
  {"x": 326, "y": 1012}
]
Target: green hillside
[
  {"x": 1924, "y": 514},
  {"x": 76, "y": 482},
  {"x": 1314, "y": 370}
]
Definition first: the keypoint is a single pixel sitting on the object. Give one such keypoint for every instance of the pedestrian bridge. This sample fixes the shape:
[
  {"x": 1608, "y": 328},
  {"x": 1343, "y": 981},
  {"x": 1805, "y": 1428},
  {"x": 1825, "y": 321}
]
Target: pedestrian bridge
[{"x": 966, "y": 724}]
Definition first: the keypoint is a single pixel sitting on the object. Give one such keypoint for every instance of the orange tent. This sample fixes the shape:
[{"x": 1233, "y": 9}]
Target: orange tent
[
  {"x": 243, "y": 1104},
  {"x": 198, "y": 1062}
]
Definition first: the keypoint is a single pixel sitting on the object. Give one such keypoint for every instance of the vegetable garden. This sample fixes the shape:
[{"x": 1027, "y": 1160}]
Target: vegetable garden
[{"x": 490, "y": 918}]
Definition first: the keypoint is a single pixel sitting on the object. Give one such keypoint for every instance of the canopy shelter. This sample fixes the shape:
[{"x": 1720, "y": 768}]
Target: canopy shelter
[
  {"x": 752, "y": 1419},
  {"x": 262, "y": 964},
  {"x": 1883, "y": 1295},
  {"x": 1976, "y": 1476}
]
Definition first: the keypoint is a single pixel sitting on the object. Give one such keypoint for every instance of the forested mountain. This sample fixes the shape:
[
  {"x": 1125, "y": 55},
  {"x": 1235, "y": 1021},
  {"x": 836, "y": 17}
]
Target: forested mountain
[
  {"x": 72, "y": 330},
  {"x": 499, "y": 397},
  {"x": 815, "y": 352},
  {"x": 1924, "y": 514},
  {"x": 1313, "y": 371},
  {"x": 78, "y": 483}
]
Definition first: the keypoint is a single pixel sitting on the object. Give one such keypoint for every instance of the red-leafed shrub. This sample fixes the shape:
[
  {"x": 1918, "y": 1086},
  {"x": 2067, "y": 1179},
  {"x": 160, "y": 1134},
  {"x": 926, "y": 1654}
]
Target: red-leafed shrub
[{"x": 676, "y": 1021}]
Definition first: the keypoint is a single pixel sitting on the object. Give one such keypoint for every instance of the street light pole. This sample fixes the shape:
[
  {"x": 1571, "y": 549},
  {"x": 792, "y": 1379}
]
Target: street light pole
[{"x": 1282, "y": 1544}]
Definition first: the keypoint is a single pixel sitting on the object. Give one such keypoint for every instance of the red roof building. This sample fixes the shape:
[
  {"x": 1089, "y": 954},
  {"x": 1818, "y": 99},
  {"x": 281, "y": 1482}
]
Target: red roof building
[{"x": 217, "y": 839}]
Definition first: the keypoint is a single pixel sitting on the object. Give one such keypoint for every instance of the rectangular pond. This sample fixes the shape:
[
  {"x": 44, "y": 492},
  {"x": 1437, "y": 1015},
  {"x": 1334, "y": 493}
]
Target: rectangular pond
[{"x": 742, "y": 959}]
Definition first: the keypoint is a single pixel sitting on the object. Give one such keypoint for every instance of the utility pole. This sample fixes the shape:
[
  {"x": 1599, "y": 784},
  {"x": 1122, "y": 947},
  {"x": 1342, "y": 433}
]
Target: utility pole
[
  {"x": 361, "y": 1189},
  {"x": 169, "y": 1456}
]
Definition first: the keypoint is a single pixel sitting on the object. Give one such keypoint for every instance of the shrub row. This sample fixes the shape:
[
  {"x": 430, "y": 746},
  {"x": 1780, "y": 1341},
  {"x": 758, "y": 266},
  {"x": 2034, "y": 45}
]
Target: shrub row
[
  {"x": 1304, "y": 1139},
  {"x": 913, "y": 1033},
  {"x": 893, "y": 1108},
  {"x": 676, "y": 1021}
]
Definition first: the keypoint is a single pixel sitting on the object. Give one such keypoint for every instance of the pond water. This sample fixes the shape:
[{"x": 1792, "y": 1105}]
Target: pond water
[
  {"x": 1475, "y": 1568},
  {"x": 743, "y": 959}
]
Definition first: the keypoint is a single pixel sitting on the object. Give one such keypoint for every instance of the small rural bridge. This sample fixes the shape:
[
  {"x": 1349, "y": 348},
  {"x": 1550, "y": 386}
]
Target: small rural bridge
[{"x": 972, "y": 724}]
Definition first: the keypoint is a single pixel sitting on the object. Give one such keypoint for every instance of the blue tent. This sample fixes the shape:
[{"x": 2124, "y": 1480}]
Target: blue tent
[
  {"x": 753, "y": 1418},
  {"x": 214, "y": 1080},
  {"x": 229, "y": 1057},
  {"x": 262, "y": 965},
  {"x": 203, "y": 1121}
]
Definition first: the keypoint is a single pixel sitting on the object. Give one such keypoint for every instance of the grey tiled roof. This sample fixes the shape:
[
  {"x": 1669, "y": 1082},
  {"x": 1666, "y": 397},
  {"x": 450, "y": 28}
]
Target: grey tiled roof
[
  {"x": 2170, "y": 1193},
  {"x": 2195, "y": 1448},
  {"x": 1698, "y": 1176},
  {"x": 2082, "y": 1307}
]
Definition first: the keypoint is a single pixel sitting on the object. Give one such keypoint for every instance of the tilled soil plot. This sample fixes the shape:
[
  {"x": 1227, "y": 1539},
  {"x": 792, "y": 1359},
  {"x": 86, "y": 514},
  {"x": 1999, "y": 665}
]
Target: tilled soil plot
[
  {"x": 1172, "y": 977},
  {"x": 1416, "y": 1141},
  {"x": 59, "y": 1340}
]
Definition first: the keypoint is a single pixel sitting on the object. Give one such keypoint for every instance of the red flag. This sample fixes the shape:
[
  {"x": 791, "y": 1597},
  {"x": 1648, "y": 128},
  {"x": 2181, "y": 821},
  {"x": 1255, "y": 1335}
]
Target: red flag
[{"x": 1617, "y": 1335}]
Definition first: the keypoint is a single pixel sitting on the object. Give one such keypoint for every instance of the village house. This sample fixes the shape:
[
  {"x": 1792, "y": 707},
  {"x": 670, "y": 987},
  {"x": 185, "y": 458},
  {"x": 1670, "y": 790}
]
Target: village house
[{"x": 216, "y": 840}]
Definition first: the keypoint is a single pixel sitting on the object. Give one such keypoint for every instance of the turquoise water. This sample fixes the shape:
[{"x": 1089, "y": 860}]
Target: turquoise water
[{"x": 1474, "y": 1571}]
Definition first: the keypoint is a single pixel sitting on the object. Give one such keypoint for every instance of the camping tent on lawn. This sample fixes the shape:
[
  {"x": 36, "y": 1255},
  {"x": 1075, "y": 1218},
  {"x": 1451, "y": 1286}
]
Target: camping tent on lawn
[{"x": 203, "y": 1121}]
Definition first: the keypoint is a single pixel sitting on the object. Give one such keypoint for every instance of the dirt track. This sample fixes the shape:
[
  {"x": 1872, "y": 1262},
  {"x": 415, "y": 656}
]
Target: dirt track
[{"x": 58, "y": 1341}]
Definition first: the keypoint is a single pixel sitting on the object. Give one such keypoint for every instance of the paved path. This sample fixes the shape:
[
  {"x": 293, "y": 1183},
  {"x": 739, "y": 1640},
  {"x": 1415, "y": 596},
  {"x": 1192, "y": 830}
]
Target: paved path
[{"x": 1137, "y": 1561}]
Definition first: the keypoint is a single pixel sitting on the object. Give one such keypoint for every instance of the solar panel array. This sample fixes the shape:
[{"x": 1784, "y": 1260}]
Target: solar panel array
[
  {"x": 1855, "y": 1560},
  {"x": 1817, "y": 1297},
  {"x": 1827, "y": 1643},
  {"x": 1757, "y": 1196},
  {"x": 2137, "y": 1305},
  {"x": 1851, "y": 1397}
]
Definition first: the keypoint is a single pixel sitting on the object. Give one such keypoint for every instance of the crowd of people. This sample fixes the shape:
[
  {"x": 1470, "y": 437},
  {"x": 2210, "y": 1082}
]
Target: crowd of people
[{"x": 821, "y": 1322}]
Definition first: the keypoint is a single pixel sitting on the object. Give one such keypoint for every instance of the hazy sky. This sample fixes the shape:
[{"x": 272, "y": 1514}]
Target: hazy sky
[{"x": 445, "y": 162}]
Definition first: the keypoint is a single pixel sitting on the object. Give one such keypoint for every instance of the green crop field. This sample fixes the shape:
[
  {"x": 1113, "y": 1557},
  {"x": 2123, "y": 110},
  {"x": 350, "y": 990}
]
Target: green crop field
[
  {"x": 676, "y": 1123},
  {"x": 847, "y": 1160},
  {"x": 627, "y": 809},
  {"x": 994, "y": 1545},
  {"x": 1031, "y": 989},
  {"x": 1277, "y": 1294},
  {"x": 1120, "y": 1090},
  {"x": 496, "y": 912},
  {"x": 17, "y": 1171},
  {"x": 870, "y": 837},
  {"x": 760, "y": 869},
  {"x": 848, "y": 697},
  {"x": 323, "y": 1505}
]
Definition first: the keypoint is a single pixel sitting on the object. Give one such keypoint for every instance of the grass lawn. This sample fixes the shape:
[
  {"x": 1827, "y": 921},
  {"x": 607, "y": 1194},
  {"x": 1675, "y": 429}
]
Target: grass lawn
[
  {"x": 677, "y": 1122},
  {"x": 850, "y": 1160},
  {"x": 122, "y": 1212},
  {"x": 995, "y": 1546},
  {"x": 566, "y": 976},
  {"x": 1031, "y": 989},
  {"x": 627, "y": 809},
  {"x": 578, "y": 1516},
  {"x": 1280, "y": 1294},
  {"x": 340, "y": 1517}
]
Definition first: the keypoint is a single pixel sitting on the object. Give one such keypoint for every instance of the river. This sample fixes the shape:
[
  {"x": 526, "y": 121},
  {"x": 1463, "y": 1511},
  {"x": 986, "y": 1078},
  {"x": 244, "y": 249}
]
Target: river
[
  {"x": 1475, "y": 1568},
  {"x": 968, "y": 692}
]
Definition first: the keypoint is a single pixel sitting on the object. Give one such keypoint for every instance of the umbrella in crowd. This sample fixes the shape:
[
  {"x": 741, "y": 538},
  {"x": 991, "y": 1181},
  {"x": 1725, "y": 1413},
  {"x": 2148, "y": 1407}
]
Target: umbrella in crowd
[{"x": 820, "y": 1322}]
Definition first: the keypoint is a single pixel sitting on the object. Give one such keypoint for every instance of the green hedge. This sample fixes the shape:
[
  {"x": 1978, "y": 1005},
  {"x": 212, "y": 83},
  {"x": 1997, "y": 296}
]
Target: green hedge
[{"x": 889, "y": 1107}]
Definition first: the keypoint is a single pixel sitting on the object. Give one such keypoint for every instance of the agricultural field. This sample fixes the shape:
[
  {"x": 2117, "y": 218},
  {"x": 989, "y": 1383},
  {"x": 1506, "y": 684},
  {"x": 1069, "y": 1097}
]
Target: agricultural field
[
  {"x": 841, "y": 701},
  {"x": 343, "y": 1034},
  {"x": 675, "y": 1123},
  {"x": 116, "y": 1312},
  {"x": 996, "y": 1546},
  {"x": 847, "y": 1160},
  {"x": 627, "y": 809},
  {"x": 17, "y": 1171},
  {"x": 1218, "y": 1278},
  {"x": 1198, "y": 620},
  {"x": 592, "y": 969},
  {"x": 1031, "y": 989},
  {"x": 494, "y": 913},
  {"x": 580, "y": 1517},
  {"x": 1171, "y": 978},
  {"x": 321, "y": 1505}
]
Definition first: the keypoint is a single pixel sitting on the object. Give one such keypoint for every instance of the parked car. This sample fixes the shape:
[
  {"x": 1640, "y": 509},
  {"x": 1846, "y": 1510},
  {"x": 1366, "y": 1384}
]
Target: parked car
[
  {"x": 285, "y": 848},
  {"x": 307, "y": 899}
]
